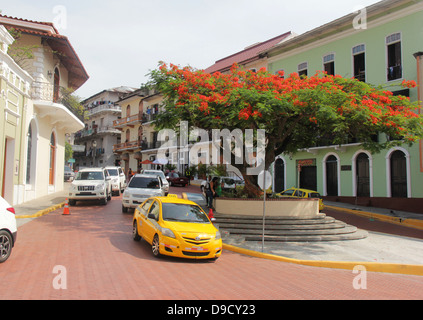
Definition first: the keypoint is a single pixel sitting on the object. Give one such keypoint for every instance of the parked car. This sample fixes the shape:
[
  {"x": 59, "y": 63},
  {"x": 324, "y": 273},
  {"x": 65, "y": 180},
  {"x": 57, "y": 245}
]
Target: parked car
[
  {"x": 162, "y": 175},
  {"x": 69, "y": 175},
  {"x": 175, "y": 179},
  {"x": 91, "y": 184},
  {"x": 8, "y": 229},
  {"x": 140, "y": 188},
  {"x": 118, "y": 179},
  {"x": 176, "y": 227},
  {"x": 229, "y": 183},
  {"x": 302, "y": 193}
]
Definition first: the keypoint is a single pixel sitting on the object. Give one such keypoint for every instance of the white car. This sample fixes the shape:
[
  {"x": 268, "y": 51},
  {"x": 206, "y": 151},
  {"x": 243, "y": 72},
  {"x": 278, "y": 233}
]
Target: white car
[
  {"x": 118, "y": 179},
  {"x": 91, "y": 184},
  {"x": 8, "y": 229},
  {"x": 140, "y": 188},
  {"x": 229, "y": 183},
  {"x": 161, "y": 175}
]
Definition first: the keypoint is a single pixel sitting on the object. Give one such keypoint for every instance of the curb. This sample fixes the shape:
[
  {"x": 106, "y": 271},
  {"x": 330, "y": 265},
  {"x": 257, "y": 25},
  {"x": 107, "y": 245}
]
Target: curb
[
  {"x": 41, "y": 212},
  {"x": 406, "y": 269},
  {"x": 412, "y": 223}
]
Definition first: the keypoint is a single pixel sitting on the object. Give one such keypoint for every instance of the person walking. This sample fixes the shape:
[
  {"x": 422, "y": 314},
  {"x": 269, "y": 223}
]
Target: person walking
[{"x": 212, "y": 192}]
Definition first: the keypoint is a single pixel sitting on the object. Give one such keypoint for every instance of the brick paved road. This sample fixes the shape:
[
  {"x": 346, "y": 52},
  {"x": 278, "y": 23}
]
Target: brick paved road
[{"x": 102, "y": 261}]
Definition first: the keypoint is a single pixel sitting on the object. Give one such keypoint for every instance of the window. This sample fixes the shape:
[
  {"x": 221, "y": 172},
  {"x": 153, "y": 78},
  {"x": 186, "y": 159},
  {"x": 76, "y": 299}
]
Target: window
[
  {"x": 359, "y": 62},
  {"x": 394, "y": 68},
  {"x": 329, "y": 64},
  {"x": 302, "y": 69}
]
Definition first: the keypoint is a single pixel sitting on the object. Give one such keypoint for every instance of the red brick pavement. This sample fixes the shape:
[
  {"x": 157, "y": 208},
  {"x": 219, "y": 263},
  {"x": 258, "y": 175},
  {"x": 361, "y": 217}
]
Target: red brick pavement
[{"x": 102, "y": 261}]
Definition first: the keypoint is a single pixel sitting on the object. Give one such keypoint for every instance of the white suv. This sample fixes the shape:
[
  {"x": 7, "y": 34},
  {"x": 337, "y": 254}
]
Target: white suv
[
  {"x": 118, "y": 179},
  {"x": 8, "y": 229},
  {"x": 91, "y": 184}
]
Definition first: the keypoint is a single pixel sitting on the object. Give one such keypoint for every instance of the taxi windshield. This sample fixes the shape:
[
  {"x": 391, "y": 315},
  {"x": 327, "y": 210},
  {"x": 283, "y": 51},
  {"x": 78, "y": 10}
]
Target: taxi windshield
[{"x": 183, "y": 213}]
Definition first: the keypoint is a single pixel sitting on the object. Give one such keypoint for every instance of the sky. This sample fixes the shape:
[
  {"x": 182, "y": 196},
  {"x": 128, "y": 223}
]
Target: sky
[{"x": 120, "y": 42}]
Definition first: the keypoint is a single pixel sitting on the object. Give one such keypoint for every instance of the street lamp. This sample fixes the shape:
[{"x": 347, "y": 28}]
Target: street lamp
[{"x": 94, "y": 144}]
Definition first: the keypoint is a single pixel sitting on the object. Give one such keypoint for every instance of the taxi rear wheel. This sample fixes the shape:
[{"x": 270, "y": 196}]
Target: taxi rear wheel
[
  {"x": 135, "y": 234},
  {"x": 155, "y": 246}
]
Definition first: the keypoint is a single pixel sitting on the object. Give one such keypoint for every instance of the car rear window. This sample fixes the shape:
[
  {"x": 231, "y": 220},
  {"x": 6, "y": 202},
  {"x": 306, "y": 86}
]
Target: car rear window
[
  {"x": 314, "y": 195},
  {"x": 183, "y": 213},
  {"x": 113, "y": 172},
  {"x": 143, "y": 182}
]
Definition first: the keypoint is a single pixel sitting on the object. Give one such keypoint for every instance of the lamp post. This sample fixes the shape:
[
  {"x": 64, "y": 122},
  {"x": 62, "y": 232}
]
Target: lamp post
[{"x": 94, "y": 144}]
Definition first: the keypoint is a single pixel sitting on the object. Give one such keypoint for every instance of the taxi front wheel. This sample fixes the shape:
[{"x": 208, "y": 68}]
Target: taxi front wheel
[
  {"x": 135, "y": 234},
  {"x": 155, "y": 246}
]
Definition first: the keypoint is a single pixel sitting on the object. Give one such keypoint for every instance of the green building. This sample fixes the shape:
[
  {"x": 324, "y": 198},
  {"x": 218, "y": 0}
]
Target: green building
[{"x": 381, "y": 45}]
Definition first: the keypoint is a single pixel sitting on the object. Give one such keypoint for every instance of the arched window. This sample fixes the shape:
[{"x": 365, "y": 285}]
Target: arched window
[
  {"x": 28, "y": 155},
  {"x": 52, "y": 158}
]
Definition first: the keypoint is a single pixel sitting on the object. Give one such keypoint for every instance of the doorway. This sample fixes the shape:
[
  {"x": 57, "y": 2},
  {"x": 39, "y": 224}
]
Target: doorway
[
  {"x": 332, "y": 176},
  {"x": 363, "y": 175},
  {"x": 398, "y": 163},
  {"x": 279, "y": 175}
]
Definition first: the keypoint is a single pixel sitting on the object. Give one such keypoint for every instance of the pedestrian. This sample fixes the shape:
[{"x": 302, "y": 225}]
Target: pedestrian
[
  {"x": 130, "y": 174},
  {"x": 188, "y": 175},
  {"x": 208, "y": 192},
  {"x": 212, "y": 192}
]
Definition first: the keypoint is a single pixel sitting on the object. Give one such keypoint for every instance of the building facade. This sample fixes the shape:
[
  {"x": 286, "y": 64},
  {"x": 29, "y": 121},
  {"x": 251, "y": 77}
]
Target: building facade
[
  {"x": 94, "y": 144},
  {"x": 36, "y": 118},
  {"x": 384, "y": 52}
]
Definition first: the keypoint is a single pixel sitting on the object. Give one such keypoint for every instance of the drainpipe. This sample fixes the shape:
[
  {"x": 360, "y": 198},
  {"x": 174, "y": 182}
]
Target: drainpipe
[{"x": 419, "y": 57}]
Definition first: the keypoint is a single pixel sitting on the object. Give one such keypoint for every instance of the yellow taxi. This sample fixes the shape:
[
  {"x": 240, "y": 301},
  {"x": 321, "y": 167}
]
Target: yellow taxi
[
  {"x": 302, "y": 193},
  {"x": 176, "y": 227}
]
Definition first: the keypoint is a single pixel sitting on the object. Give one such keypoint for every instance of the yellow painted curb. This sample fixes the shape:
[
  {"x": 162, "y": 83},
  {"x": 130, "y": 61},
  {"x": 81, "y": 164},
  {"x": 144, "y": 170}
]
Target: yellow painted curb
[
  {"x": 41, "y": 212},
  {"x": 407, "y": 269},
  {"x": 412, "y": 223}
]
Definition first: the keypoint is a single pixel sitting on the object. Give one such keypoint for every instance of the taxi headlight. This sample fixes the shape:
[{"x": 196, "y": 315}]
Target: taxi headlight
[
  {"x": 218, "y": 236},
  {"x": 168, "y": 233}
]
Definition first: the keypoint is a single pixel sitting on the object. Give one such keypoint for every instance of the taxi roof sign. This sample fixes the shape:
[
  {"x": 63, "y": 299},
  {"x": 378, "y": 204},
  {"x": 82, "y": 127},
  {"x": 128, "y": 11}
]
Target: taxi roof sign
[{"x": 172, "y": 195}]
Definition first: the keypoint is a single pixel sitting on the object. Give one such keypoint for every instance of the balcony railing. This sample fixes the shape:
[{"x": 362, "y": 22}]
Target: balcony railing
[
  {"x": 131, "y": 120},
  {"x": 105, "y": 108},
  {"x": 130, "y": 145},
  {"x": 48, "y": 92}
]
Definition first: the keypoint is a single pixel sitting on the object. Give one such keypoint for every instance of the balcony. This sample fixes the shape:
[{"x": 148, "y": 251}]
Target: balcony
[
  {"x": 130, "y": 121},
  {"x": 104, "y": 130},
  {"x": 127, "y": 146},
  {"x": 59, "y": 104},
  {"x": 107, "y": 108},
  {"x": 45, "y": 91}
]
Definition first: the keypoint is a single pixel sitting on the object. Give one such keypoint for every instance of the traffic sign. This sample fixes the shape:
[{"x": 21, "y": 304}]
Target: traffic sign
[{"x": 264, "y": 185}]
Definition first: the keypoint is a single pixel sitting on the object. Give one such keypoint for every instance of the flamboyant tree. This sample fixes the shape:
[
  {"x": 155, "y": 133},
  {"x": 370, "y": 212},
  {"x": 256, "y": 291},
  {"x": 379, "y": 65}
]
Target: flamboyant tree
[{"x": 295, "y": 112}]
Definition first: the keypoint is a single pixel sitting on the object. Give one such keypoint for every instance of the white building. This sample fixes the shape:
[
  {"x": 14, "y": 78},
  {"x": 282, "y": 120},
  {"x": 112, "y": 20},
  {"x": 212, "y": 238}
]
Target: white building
[
  {"x": 95, "y": 142},
  {"x": 35, "y": 113}
]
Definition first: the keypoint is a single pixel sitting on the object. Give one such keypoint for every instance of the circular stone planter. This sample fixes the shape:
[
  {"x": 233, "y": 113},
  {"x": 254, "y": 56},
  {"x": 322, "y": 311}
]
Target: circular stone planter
[{"x": 284, "y": 207}]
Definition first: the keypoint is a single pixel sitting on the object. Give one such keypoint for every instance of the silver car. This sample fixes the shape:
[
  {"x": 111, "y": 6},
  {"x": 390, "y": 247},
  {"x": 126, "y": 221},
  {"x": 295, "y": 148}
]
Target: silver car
[{"x": 140, "y": 188}]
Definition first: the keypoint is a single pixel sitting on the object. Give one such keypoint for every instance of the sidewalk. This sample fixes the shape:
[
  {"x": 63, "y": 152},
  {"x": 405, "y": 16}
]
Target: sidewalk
[{"x": 30, "y": 210}]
